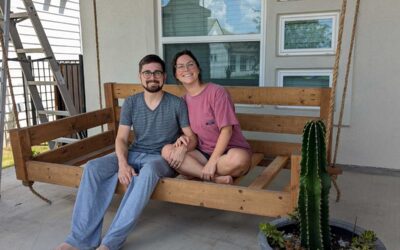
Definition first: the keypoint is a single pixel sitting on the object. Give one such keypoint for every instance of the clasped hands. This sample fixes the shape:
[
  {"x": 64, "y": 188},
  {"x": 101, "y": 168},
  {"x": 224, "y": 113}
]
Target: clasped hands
[{"x": 178, "y": 151}]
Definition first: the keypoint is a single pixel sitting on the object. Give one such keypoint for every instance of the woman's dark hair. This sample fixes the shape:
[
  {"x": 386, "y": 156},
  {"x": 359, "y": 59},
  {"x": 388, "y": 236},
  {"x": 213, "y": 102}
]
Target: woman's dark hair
[
  {"x": 151, "y": 59},
  {"x": 188, "y": 53}
]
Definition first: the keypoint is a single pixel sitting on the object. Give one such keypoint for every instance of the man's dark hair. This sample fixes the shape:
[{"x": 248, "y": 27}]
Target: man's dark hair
[
  {"x": 151, "y": 59},
  {"x": 188, "y": 53}
]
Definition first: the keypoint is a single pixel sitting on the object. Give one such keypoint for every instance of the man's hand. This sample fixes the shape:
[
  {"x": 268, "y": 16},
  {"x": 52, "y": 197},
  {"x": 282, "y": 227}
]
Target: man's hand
[
  {"x": 208, "y": 172},
  {"x": 125, "y": 173},
  {"x": 176, "y": 157}
]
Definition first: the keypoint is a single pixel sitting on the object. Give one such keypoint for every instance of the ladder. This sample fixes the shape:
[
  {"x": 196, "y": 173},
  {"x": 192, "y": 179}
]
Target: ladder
[
  {"x": 9, "y": 23},
  {"x": 5, "y": 28},
  {"x": 49, "y": 55}
]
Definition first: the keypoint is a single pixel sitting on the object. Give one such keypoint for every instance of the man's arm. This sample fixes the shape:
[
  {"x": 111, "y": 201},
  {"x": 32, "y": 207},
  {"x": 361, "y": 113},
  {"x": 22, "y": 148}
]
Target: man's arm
[
  {"x": 192, "y": 138},
  {"x": 125, "y": 171}
]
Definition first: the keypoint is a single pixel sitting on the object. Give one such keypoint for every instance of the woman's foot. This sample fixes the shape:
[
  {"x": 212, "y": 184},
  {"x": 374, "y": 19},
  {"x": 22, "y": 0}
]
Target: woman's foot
[{"x": 225, "y": 179}]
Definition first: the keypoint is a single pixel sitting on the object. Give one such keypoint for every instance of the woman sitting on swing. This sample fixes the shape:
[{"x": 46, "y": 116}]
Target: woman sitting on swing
[{"x": 222, "y": 151}]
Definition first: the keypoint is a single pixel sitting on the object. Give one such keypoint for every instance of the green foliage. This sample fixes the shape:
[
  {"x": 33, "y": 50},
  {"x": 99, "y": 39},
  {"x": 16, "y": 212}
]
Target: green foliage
[
  {"x": 8, "y": 160},
  {"x": 36, "y": 150},
  {"x": 295, "y": 215},
  {"x": 366, "y": 241},
  {"x": 274, "y": 236},
  {"x": 315, "y": 184}
]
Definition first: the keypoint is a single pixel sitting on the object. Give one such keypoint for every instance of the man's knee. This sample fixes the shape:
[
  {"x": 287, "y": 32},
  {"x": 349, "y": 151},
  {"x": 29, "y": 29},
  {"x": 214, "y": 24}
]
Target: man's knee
[
  {"x": 102, "y": 166},
  {"x": 92, "y": 165},
  {"x": 157, "y": 166}
]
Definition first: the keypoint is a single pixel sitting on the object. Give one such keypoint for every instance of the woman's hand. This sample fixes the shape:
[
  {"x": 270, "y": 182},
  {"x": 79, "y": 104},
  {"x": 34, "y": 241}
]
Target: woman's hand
[
  {"x": 125, "y": 173},
  {"x": 182, "y": 140},
  {"x": 208, "y": 172}
]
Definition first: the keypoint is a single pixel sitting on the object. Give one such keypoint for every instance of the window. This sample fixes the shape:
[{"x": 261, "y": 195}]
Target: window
[
  {"x": 304, "y": 78},
  {"x": 243, "y": 63},
  {"x": 232, "y": 63},
  {"x": 219, "y": 33},
  {"x": 308, "y": 34}
]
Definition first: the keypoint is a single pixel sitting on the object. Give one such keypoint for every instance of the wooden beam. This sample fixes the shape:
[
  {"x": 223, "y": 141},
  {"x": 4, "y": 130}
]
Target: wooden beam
[
  {"x": 334, "y": 170},
  {"x": 54, "y": 173},
  {"x": 111, "y": 102},
  {"x": 294, "y": 180},
  {"x": 269, "y": 173},
  {"x": 92, "y": 155},
  {"x": 276, "y": 96},
  {"x": 274, "y": 123},
  {"x": 272, "y": 148},
  {"x": 75, "y": 150},
  {"x": 67, "y": 126},
  {"x": 21, "y": 149},
  {"x": 117, "y": 113},
  {"x": 324, "y": 115},
  {"x": 244, "y": 95},
  {"x": 286, "y": 188},
  {"x": 224, "y": 197},
  {"x": 123, "y": 90},
  {"x": 196, "y": 193}
]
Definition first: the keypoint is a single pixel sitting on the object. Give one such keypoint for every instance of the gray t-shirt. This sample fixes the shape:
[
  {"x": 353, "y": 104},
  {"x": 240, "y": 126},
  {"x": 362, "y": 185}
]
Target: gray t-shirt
[{"x": 154, "y": 128}]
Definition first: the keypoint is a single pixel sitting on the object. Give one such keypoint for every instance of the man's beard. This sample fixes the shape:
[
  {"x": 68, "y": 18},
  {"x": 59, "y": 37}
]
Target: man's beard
[{"x": 154, "y": 88}]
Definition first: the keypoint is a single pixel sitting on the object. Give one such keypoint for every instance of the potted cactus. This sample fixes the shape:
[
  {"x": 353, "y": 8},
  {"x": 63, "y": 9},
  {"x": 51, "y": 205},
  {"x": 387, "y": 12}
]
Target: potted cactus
[{"x": 310, "y": 227}]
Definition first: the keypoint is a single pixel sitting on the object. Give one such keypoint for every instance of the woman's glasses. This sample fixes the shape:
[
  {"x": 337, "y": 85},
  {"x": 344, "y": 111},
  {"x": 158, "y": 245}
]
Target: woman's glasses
[{"x": 188, "y": 66}]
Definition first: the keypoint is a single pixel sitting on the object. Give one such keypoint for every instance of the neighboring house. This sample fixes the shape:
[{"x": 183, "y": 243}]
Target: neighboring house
[
  {"x": 269, "y": 43},
  {"x": 61, "y": 21},
  {"x": 229, "y": 61}
]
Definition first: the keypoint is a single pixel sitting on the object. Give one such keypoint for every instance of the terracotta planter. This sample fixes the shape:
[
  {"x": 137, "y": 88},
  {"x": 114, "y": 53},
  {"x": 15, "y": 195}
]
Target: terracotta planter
[{"x": 337, "y": 226}]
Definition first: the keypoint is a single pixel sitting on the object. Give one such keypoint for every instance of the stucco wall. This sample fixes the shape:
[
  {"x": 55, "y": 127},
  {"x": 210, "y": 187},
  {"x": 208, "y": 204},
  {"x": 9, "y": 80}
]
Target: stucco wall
[
  {"x": 126, "y": 33},
  {"x": 128, "y": 30},
  {"x": 373, "y": 138}
]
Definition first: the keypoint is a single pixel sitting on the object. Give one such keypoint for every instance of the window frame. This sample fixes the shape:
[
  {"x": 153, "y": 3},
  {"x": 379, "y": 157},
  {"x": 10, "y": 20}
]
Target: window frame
[
  {"x": 281, "y": 73},
  {"x": 261, "y": 38},
  {"x": 309, "y": 51}
]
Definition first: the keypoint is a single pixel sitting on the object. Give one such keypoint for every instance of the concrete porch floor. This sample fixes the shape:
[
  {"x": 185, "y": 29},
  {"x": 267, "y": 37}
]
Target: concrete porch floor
[{"x": 27, "y": 222}]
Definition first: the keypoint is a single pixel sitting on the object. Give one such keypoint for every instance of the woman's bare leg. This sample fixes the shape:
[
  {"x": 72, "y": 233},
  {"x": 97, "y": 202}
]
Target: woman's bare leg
[
  {"x": 193, "y": 164},
  {"x": 235, "y": 162}
]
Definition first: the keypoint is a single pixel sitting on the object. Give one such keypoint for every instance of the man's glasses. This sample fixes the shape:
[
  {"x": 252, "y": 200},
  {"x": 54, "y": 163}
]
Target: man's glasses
[
  {"x": 182, "y": 67},
  {"x": 147, "y": 74}
]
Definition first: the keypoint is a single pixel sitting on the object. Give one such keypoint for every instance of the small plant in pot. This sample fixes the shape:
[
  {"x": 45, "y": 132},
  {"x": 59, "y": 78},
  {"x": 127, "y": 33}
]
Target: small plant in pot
[{"x": 310, "y": 227}]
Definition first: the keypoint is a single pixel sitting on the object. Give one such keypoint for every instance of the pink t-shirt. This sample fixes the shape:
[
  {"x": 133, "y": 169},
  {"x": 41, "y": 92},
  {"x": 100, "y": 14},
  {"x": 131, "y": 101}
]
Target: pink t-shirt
[{"x": 210, "y": 111}]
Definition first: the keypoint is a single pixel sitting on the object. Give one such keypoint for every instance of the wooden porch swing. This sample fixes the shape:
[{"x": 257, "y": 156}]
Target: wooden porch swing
[{"x": 64, "y": 165}]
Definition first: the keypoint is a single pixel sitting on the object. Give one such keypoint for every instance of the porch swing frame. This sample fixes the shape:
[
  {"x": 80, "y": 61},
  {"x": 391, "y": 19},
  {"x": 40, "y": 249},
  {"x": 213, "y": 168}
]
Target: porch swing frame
[{"x": 64, "y": 165}]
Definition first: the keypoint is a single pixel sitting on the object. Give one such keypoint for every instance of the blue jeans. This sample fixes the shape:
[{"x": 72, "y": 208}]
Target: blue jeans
[{"x": 95, "y": 193}]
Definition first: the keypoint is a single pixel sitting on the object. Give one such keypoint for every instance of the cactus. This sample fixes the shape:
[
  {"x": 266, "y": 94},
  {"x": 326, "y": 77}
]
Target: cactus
[{"x": 315, "y": 184}]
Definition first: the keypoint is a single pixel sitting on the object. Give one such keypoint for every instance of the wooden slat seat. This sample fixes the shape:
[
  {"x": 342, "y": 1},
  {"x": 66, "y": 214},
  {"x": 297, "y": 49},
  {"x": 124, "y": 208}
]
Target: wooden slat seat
[
  {"x": 63, "y": 165},
  {"x": 269, "y": 172}
]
